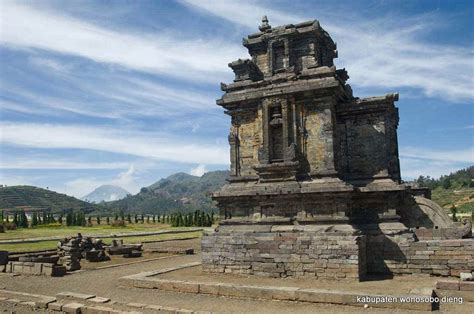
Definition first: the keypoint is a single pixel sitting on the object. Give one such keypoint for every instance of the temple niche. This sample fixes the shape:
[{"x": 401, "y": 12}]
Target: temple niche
[{"x": 315, "y": 175}]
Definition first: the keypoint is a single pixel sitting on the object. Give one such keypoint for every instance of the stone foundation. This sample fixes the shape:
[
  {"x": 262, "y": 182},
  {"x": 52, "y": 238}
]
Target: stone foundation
[
  {"x": 277, "y": 253},
  {"x": 280, "y": 251},
  {"x": 30, "y": 268}
]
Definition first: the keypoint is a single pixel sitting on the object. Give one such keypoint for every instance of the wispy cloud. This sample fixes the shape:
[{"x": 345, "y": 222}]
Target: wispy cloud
[
  {"x": 395, "y": 58},
  {"x": 464, "y": 155},
  {"x": 203, "y": 60},
  {"x": 32, "y": 163},
  {"x": 416, "y": 161},
  {"x": 159, "y": 146},
  {"x": 412, "y": 168}
]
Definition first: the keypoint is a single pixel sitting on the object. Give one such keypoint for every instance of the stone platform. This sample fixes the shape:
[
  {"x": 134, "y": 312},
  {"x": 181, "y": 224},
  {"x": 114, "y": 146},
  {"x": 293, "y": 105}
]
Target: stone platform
[{"x": 398, "y": 294}]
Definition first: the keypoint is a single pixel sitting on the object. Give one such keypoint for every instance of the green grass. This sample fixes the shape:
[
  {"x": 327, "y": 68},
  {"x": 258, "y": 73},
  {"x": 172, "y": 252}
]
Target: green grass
[
  {"x": 73, "y": 230},
  {"x": 51, "y": 245},
  {"x": 466, "y": 208}
]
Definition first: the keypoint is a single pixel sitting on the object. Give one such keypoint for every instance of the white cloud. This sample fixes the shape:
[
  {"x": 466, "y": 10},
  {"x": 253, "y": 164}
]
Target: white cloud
[
  {"x": 412, "y": 168},
  {"x": 460, "y": 156},
  {"x": 50, "y": 64},
  {"x": 35, "y": 163},
  {"x": 204, "y": 60},
  {"x": 386, "y": 52},
  {"x": 158, "y": 146},
  {"x": 199, "y": 170},
  {"x": 84, "y": 185}
]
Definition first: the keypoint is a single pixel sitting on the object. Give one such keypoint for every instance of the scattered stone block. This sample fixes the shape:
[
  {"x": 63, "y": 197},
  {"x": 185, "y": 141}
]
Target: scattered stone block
[
  {"x": 466, "y": 286},
  {"x": 55, "y": 306},
  {"x": 73, "y": 308},
  {"x": 98, "y": 300},
  {"x": 74, "y": 296},
  {"x": 99, "y": 310},
  {"x": 466, "y": 276},
  {"x": 447, "y": 285}
]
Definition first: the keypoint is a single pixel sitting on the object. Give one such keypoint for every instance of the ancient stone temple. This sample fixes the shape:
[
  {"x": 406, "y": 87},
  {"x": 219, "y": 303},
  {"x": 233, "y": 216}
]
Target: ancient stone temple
[{"x": 315, "y": 186}]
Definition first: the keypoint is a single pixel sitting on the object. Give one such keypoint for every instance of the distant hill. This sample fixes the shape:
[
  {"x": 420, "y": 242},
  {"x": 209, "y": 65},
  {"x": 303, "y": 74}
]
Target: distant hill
[
  {"x": 105, "y": 193},
  {"x": 456, "y": 189},
  {"x": 178, "y": 192},
  {"x": 34, "y": 198}
]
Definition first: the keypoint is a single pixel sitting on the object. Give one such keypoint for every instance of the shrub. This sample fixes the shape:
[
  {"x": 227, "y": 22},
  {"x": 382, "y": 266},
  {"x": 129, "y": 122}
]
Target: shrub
[
  {"x": 9, "y": 226},
  {"x": 118, "y": 223}
]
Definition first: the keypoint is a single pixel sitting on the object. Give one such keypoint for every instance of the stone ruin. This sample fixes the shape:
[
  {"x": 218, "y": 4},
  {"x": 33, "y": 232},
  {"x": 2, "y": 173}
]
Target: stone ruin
[
  {"x": 72, "y": 249},
  {"x": 315, "y": 186},
  {"x": 126, "y": 250}
]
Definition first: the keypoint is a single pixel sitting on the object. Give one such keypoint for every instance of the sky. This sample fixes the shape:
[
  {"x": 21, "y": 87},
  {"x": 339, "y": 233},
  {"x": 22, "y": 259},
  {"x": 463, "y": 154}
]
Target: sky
[{"x": 123, "y": 92}]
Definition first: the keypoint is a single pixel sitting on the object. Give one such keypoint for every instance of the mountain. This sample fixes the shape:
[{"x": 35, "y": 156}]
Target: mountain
[
  {"x": 35, "y": 198},
  {"x": 105, "y": 193},
  {"x": 178, "y": 192}
]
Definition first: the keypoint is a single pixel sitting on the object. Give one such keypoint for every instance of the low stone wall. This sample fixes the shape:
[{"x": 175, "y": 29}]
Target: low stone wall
[
  {"x": 272, "y": 252},
  {"x": 30, "y": 268},
  {"x": 400, "y": 255},
  {"x": 282, "y": 254}
]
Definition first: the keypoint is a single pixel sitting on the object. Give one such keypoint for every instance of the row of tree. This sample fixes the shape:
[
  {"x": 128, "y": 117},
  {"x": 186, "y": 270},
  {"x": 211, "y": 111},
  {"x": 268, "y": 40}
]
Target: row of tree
[
  {"x": 463, "y": 178},
  {"x": 197, "y": 218}
]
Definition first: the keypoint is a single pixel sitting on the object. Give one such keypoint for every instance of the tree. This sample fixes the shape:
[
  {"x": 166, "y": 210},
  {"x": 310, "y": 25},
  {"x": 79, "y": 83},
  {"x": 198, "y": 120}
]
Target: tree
[
  {"x": 454, "y": 211},
  {"x": 98, "y": 219},
  {"x": 45, "y": 218},
  {"x": 15, "y": 219},
  {"x": 107, "y": 220},
  {"x": 446, "y": 183},
  {"x": 147, "y": 219},
  {"x": 116, "y": 217},
  {"x": 129, "y": 218},
  {"x": 34, "y": 219},
  {"x": 136, "y": 218},
  {"x": 60, "y": 219},
  {"x": 89, "y": 220},
  {"x": 122, "y": 216},
  {"x": 69, "y": 219},
  {"x": 154, "y": 219}
]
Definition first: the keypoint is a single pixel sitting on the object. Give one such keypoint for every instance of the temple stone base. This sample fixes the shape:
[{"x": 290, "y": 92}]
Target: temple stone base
[
  {"x": 279, "y": 251},
  {"x": 332, "y": 252}
]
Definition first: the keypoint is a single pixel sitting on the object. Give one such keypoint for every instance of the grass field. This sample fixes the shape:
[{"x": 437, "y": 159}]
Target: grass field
[
  {"x": 46, "y": 245},
  {"x": 48, "y": 231}
]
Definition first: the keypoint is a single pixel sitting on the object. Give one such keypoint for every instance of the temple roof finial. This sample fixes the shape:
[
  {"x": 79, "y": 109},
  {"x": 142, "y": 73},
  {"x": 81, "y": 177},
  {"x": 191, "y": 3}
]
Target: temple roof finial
[{"x": 265, "y": 26}]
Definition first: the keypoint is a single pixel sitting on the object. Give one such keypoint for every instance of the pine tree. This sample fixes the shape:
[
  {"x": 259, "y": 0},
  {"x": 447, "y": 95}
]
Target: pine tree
[
  {"x": 154, "y": 219},
  {"x": 122, "y": 215},
  {"x": 129, "y": 218},
  {"x": 45, "y": 218},
  {"x": 8, "y": 218},
  {"x": 15, "y": 219},
  {"x": 60, "y": 219},
  {"x": 107, "y": 220},
  {"x": 147, "y": 219},
  {"x": 89, "y": 220},
  {"x": 454, "y": 211},
  {"x": 69, "y": 219},
  {"x": 116, "y": 217},
  {"x": 1, "y": 216},
  {"x": 136, "y": 218},
  {"x": 34, "y": 219},
  {"x": 98, "y": 219}
]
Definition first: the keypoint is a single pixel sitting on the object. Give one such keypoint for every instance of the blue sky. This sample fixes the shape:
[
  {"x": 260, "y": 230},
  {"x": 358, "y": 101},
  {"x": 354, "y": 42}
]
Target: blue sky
[{"x": 123, "y": 92}]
